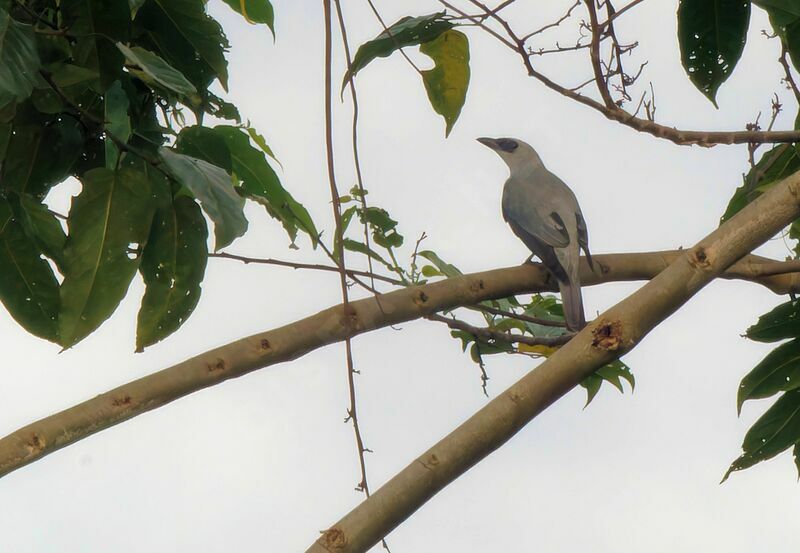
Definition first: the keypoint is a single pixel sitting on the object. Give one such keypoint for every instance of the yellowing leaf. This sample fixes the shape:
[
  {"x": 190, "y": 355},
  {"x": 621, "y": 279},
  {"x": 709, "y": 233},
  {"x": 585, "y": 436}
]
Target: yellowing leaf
[
  {"x": 447, "y": 83},
  {"x": 544, "y": 351}
]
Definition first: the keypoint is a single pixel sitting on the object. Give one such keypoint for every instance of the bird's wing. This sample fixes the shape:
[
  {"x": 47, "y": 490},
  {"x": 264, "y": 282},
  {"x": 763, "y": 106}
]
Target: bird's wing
[
  {"x": 583, "y": 237},
  {"x": 532, "y": 216}
]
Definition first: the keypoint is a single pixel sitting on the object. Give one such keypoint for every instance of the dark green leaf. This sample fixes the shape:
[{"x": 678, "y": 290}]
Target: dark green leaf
[
  {"x": 384, "y": 231},
  {"x": 173, "y": 266},
  {"x": 465, "y": 337},
  {"x": 117, "y": 121},
  {"x": 28, "y": 287},
  {"x": 158, "y": 70},
  {"x": 796, "y": 454},
  {"x": 779, "y": 324},
  {"x": 447, "y": 83},
  {"x": 776, "y": 431},
  {"x": 711, "y": 35},
  {"x": 260, "y": 183},
  {"x": 774, "y": 165},
  {"x": 39, "y": 156},
  {"x": 187, "y": 38},
  {"x": 19, "y": 59},
  {"x": 213, "y": 187},
  {"x": 111, "y": 215},
  {"x": 206, "y": 144},
  {"x": 358, "y": 247},
  {"x": 41, "y": 226},
  {"x": 216, "y": 106},
  {"x": 255, "y": 11},
  {"x": 778, "y": 372},
  {"x": 592, "y": 384},
  {"x": 408, "y": 31}
]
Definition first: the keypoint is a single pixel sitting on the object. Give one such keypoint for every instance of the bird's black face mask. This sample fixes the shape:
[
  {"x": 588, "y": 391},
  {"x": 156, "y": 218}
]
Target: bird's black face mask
[{"x": 507, "y": 145}]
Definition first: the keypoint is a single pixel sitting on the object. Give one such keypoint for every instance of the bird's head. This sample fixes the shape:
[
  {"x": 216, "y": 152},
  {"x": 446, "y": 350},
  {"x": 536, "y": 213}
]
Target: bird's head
[{"x": 518, "y": 155}]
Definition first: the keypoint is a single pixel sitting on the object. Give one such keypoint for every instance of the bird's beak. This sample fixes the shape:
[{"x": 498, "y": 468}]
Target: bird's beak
[{"x": 488, "y": 142}]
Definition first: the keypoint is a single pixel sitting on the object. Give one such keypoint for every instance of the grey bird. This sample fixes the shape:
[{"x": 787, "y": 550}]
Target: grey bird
[{"x": 544, "y": 213}]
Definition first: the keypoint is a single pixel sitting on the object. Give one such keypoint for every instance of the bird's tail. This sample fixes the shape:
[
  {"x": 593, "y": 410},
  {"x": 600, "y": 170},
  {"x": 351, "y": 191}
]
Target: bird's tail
[{"x": 573, "y": 304}]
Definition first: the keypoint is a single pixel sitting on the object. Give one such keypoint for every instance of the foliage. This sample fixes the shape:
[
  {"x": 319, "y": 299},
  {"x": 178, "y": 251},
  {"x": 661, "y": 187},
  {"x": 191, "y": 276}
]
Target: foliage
[{"x": 97, "y": 91}]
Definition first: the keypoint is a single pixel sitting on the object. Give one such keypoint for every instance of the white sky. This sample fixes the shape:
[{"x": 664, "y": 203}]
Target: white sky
[{"x": 264, "y": 462}]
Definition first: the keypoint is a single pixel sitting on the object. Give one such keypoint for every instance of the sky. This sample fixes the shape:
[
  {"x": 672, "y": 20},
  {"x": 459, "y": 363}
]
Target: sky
[{"x": 264, "y": 462}]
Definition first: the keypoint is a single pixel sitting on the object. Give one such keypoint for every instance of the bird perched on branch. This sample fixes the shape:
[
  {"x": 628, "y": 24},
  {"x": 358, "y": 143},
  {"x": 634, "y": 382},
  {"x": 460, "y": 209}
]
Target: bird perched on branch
[{"x": 544, "y": 213}]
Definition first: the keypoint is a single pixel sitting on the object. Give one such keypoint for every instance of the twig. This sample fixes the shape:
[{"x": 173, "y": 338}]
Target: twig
[
  {"x": 494, "y": 335},
  {"x": 520, "y": 316},
  {"x": 554, "y": 23}
]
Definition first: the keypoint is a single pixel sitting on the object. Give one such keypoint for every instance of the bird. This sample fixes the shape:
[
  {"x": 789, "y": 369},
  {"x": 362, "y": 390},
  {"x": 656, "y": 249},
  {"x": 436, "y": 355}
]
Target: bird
[{"x": 544, "y": 213}]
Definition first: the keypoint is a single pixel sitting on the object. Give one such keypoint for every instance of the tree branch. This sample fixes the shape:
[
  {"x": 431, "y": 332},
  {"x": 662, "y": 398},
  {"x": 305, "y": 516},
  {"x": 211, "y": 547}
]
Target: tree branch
[
  {"x": 611, "y": 335},
  {"x": 32, "y": 442}
]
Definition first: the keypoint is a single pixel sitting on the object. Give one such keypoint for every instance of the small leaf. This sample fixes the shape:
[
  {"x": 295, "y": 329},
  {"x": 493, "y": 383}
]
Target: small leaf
[
  {"x": 780, "y": 323},
  {"x": 408, "y": 31},
  {"x": 19, "y": 59},
  {"x": 465, "y": 337},
  {"x": 778, "y": 372},
  {"x": 544, "y": 351},
  {"x": 448, "y": 81},
  {"x": 384, "y": 231},
  {"x": 158, "y": 70},
  {"x": 796, "y": 454},
  {"x": 711, "y": 35},
  {"x": 28, "y": 287},
  {"x": 255, "y": 11},
  {"x": 118, "y": 122},
  {"x": 358, "y": 247},
  {"x": 173, "y": 266},
  {"x": 446, "y": 268},
  {"x": 212, "y": 186},
  {"x": 592, "y": 384},
  {"x": 430, "y": 271},
  {"x": 110, "y": 215},
  {"x": 776, "y": 431}
]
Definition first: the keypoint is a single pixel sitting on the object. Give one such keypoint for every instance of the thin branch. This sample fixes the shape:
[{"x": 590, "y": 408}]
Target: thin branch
[
  {"x": 523, "y": 317},
  {"x": 496, "y": 335},
  {"x": 312, "y": 266},
  {"x": 556, "y": 23},
  {"x": 391, "y": 36}
]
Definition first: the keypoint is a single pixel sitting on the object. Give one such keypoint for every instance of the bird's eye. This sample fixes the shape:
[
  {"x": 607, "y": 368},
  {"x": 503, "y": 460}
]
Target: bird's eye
[{"x": 507, "y": 145}]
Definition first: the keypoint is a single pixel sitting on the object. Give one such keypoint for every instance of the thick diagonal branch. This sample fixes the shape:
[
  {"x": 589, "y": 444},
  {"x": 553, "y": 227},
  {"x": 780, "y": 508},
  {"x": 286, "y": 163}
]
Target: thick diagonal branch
[
  {"x": 332, "y": 325},
  {"x": 606, "y": 338}
]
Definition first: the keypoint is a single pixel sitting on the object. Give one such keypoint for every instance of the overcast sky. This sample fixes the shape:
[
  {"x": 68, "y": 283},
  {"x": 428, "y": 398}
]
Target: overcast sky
[{"x": 264, "y": 462}]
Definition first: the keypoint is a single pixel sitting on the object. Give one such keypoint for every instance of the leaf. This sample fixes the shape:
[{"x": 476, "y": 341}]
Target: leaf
[
  {"x": 255, "y": 11},
  {"x": 183, "y": 34},
  {"x": 776, "y": 431},
  {"x": 384, "y": 231},
  {"x": 41, "y": 226},
  {"x": 780, "y": 323},
  {"x": 774, "y": 165},
  {"x": 173, "y": 265},
  {"x": 796, "y": 454},
  {"x": 778, "y": 372},
  {"x": 117, "y": 121},
  {"x": 613, "y": 373},
  {"x": 39, "y": 156},
  {"x": 28, "y": 287},
  {"x": 260, "y": 183},
  {"x": 408, "y": 31},
  {"x": 358, "y": 247},
  {"x": 448, "y": 81},
  {"x": 212, "y": 186},
  {"x": 446, "y": 268},
  {"x": 19, "y": 59},
  {"x": 111, "y": 214},
  {"x": 544, "y": 351},
  {"x": 592, "y": 384},
  {"x": 158, "y": 70},
  {"x": 711, "y": 35}
]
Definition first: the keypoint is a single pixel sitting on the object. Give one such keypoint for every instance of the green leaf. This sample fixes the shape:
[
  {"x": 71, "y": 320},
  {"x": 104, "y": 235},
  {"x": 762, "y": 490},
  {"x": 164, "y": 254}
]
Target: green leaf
[
  {"x": 41, "y": 226},
  {"x": 408, "y": 31},
  {"x": 94, "y": 27},
  {"x": 255, "y": 11},
  {"x": 19, "y": 59},
  {"x": 135, "y": 5},
  {"x": 384, "y": 231},
  {"x": 28, "y": 287},
  {"x": 613, "y": 373},
  {"x": 779, "y": 324},
  {"x": 711, "y": 35},
  {"x": 203, "y": 143},
  {"x": 40, "y": 155},
  {"x": 111, "y": 214},
  {"x": 158, "y": 70},
  {"x": 776, "y": 431},
  {"x": 260, "y": 183},
  {"x": 774, "y": 165},
  {"x": 592, "y": 384},
  {"x": 465, "y": 337},
  {"x": 778, "y": 372},
  {"x": 187, "y": 38},
  {"x": 212, "y": 186},
  {"x": 173, "y": 266},
  {"x": 117, "y": 121},
  {"x": 446, "y": 268},
  {"x": 359, "y": 247},
  {"x": 447, "y": 83},
  {"x": 796, "y": 454}
]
